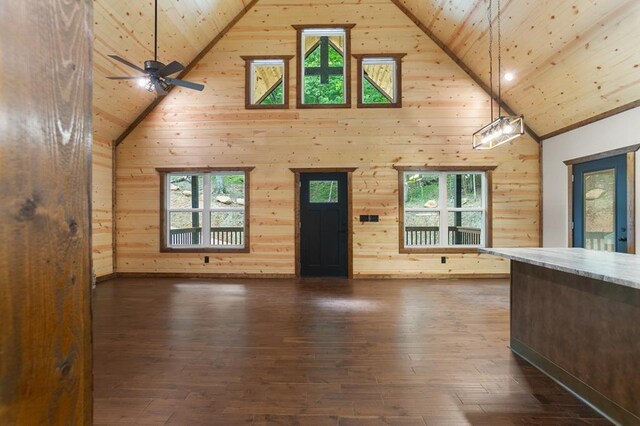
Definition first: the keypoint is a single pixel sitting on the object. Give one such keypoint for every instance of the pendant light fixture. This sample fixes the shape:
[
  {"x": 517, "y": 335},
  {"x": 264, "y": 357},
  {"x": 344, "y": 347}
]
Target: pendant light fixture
[{"x": 504, "y": 128}]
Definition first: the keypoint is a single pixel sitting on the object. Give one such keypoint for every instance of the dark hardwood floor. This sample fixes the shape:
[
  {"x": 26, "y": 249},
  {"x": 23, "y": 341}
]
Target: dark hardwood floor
[{"x": 315, "y": 352}]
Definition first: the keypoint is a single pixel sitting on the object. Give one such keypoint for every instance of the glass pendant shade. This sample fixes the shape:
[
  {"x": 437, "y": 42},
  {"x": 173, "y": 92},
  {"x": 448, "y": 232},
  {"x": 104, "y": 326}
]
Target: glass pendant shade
[{"x": 501, "y": 130}]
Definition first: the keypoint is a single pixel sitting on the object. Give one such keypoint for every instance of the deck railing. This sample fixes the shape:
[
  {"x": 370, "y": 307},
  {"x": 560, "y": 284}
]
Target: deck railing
[
  {"x": 430, "y": 235},
  {"x": 220, "y": 236},
  {"x": 601, "y": 241}
]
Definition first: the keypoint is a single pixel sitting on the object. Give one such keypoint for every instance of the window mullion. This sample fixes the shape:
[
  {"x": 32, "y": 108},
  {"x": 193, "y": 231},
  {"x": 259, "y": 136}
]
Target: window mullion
[
  {"x": 206, "y": 215},
  {"x": 442, "y": 193}
]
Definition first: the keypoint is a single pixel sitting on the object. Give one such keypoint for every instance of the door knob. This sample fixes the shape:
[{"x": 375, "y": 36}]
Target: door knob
[{"x": 623, "y": 239}]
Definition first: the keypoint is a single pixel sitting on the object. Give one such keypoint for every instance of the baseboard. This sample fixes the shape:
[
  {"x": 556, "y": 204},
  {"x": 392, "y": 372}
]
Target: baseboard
[
  {"x": 596, "y": 400},
  {"x": 429, "y": 276},
  {"x": 106, "y": 277},
  {"x": 214, "y": 275},
  {"x": 201, "y": 275}
]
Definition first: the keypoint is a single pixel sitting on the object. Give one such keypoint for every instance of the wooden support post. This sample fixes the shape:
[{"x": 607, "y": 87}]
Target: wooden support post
[{"x": 45, "y": 222}]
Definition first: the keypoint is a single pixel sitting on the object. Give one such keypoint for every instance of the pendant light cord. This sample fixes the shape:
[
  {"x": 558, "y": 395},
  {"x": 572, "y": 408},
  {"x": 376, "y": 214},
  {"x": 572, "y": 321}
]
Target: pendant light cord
[
  {"x": 155, "y": 33},
  {"x": 491, "y": 59},
  {"x": 499, "y": 65}
]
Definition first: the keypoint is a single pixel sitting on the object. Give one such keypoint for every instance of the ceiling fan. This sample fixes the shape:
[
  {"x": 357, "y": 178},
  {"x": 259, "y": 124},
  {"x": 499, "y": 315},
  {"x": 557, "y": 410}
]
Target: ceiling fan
[{"x": 156, "y": 73}]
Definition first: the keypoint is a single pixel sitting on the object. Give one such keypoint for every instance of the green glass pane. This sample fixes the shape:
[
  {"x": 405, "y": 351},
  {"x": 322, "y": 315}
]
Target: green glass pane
[
  {"x": 421, "y": 190},
  {"x": 371, "y": 94},
  {"x": 227, "y": 190},
  {"x": 465, "y": 228},
  {"x": 464, "y": 190},
  {"x": 318, "y": 93},
  {"x": 186, "y": 191},
  {"x": 323, "y": 191},
  {"x": 275, "y": 97},
  {"x": 335, "y": 57}
]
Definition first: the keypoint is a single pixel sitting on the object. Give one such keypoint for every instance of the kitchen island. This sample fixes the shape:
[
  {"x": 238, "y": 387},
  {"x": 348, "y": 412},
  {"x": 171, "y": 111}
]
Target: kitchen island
[{"x": 575, "y": 315}]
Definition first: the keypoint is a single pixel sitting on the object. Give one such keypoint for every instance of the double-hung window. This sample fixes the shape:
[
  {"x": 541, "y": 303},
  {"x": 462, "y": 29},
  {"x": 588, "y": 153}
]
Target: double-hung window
[
  {"x": 205, "y": 210},
  {"x": 444, "y": 209}
]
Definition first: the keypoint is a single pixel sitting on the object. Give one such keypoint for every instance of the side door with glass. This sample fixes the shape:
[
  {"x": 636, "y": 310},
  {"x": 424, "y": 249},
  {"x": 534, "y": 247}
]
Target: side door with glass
[{"x": 600, "y": 204}]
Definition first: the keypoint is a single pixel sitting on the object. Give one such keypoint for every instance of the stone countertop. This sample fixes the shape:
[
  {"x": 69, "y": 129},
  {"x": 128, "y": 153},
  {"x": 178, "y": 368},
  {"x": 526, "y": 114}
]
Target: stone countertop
[{"x": 618, "y": 268}]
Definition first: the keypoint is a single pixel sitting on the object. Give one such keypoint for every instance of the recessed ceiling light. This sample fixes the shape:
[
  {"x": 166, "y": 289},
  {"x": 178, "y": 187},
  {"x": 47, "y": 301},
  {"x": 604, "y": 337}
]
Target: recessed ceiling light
[{"x": 509, "y": 76}]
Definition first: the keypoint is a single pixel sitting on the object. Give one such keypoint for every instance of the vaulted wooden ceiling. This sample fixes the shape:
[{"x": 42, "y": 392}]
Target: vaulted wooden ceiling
[{"x": 572, "y": 60}]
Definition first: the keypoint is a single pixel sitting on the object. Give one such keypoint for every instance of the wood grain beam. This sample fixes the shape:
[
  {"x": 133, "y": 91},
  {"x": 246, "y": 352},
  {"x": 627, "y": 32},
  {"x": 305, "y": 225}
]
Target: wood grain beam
[
  {"x": 186, "y": 71},
  {"x": 597, "y": 117},
  {"x": 45, "y": 214},
  {"x": 462, "y": 65}
]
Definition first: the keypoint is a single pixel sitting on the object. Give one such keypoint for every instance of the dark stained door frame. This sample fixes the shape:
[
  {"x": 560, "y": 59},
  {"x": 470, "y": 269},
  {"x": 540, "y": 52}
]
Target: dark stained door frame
[{"x": 349, "y": 171}]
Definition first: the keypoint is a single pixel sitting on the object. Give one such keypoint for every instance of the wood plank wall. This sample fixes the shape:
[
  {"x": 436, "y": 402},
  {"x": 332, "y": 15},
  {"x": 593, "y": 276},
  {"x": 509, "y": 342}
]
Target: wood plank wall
[
  {"x": 102, "y": 203},
  {"x": 442, "y": 107},
  {"x": 45, "y": 223}
]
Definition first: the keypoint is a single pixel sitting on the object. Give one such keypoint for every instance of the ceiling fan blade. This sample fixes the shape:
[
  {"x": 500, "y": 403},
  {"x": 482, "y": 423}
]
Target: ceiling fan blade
[
  {"x": 187, "y": 84},
  {"x": 171, "y": 68},
  {"x": 127, "y": 63},
  {"x": 129, "y": 77},
  {"x": 159, "y": 89}
]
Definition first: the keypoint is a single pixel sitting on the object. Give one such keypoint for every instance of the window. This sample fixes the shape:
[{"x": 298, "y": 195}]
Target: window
[
  {"x": 323, "y": 62},
  {"x": 444, "y": 210},
  {"x": 266, "y": 82},
  {"x": 323, "y": 191},
  {"x": 194, "y": 200},
  {"x": 379, "y": 80}
]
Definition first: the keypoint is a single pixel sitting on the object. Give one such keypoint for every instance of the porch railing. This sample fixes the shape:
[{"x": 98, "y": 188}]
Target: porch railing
[
  {"x": 430, "y": 235},
  {"x": 220, "y": 236}
]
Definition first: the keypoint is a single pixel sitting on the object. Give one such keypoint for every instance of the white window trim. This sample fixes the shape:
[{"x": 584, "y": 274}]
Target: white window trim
[
  {"x": 443, "y": 209},
  {"x": 206, "y": 211},
  {"x": 320, "y": 32}
]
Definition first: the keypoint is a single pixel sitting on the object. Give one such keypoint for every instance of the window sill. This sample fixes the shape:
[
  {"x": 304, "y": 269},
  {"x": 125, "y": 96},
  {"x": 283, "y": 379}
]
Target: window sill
[
  {"x": 275, "y": 106},
  {"x": 203, "y": 250},
  {"x": 322, "y": 106},
  {"x": 412, "y": 250}
]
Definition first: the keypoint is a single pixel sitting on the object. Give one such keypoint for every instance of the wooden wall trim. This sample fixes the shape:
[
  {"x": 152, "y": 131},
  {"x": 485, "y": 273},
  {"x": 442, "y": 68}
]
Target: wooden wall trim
[
  {"x": 444, "y": 168},
  {"x": 631, "y": 202},
  {"x": 212, "y": 275},
  {"x": 605, "y": 154},
  {"x": 593, "y": 119},
  {"x": 541, "y": 196},
  {"x": 186, "y": 71},
  {"x": 462, "y": 65},
  {"x": 359, "y": 276},
  {"x": 107, "y": 277},
  {"x": 114, "y": 208},
  {"x": 570, "y": 205}
]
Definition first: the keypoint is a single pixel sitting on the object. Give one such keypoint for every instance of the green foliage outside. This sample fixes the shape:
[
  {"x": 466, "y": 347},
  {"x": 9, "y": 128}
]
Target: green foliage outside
[
  {"x": 333, "y": 91},
  {"x": 371, "y": 95},
  {"x": 323, "y": 191},
  {"x": 420, "y": 188},
  {"x": 275, "y": 97}
]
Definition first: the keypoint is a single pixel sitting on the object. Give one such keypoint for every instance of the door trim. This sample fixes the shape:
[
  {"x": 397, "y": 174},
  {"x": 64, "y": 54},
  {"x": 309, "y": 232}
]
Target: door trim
[
  {"x": 349, "y": 171},
  {"x": 630, "y": 151}
]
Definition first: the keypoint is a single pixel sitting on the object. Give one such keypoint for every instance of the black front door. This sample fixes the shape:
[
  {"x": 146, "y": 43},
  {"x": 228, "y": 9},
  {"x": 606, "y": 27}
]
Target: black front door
[{"x": 323, "y": 224}]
